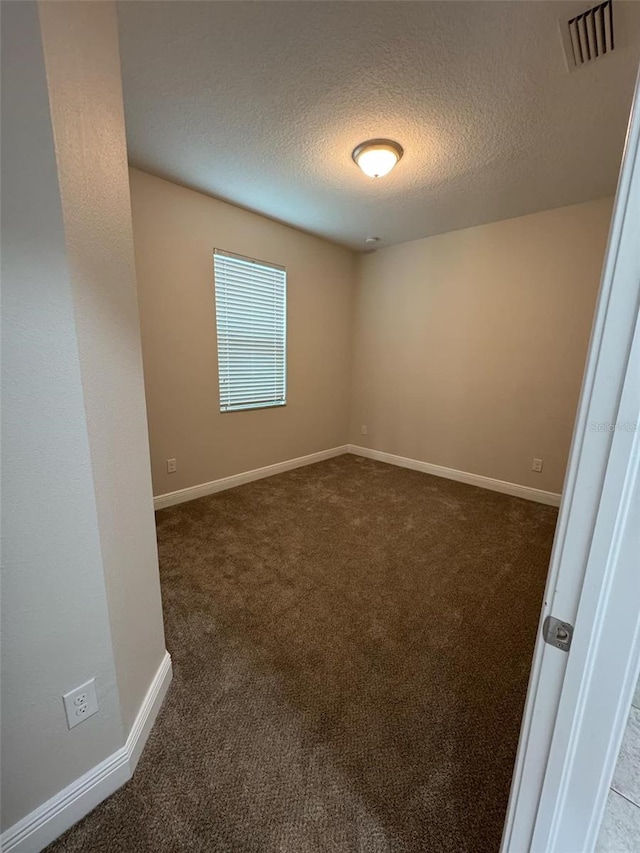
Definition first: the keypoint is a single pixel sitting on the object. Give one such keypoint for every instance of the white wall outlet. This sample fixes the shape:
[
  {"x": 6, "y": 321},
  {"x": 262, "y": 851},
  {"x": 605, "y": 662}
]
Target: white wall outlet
[
  {"x": 81, "y": 703},
  {"x": 172, "y": 466},
  {"x": 536, "y": 465},
  {"x": 363, "y": 430}
]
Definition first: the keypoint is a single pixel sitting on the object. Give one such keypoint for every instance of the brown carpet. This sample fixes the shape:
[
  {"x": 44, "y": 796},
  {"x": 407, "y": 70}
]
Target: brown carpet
[{"x": 351, "y": 644}]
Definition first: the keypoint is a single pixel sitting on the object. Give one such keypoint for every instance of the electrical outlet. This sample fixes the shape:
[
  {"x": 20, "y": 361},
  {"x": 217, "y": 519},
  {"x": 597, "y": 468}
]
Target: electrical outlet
[
  {"x": 536, "y": 465},
  {"x": 172, "y": 466},
  {"x": 81, "y": 703},
  {"x": 363, "y": 430}
]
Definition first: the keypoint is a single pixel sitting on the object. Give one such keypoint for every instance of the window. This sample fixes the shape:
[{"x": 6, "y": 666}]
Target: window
[{"x": 251, "y": 309}]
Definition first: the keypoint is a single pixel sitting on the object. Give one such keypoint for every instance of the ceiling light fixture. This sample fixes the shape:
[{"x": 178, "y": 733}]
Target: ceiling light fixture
[{"x": 377, "y": 157}]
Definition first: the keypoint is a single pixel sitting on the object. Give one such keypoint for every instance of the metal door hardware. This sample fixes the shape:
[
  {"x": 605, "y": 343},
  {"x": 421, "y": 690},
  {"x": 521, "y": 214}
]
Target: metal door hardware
[{"x": 557, "y": 633}]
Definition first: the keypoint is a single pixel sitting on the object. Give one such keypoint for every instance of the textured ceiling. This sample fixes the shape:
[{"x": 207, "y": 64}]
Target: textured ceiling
[{"x": 261, "y": 103}]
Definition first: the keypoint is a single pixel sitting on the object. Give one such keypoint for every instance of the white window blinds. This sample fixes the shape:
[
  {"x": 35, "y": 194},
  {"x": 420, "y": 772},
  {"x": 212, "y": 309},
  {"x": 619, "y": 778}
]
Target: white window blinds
[{"x": 251, "y": 308}]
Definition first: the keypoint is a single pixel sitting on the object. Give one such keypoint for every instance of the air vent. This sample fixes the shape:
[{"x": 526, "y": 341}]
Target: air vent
[{"x": 590, "y": 35}]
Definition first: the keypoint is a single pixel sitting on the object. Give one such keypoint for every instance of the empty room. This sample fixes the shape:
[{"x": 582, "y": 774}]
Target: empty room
[{"x": 304, "y": 407}]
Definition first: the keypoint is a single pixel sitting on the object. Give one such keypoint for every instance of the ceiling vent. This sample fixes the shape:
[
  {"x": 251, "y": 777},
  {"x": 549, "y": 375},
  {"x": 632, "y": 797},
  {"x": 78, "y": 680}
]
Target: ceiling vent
[{"x": 589, "y": 36}]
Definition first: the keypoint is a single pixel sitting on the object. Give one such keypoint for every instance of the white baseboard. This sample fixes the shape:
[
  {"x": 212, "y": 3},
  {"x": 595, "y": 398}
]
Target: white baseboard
[
  {"x": 526, "y": 492},
  {"x": 189, "y": 494},
  {"x": 148, "y": 712},
  {"x": 514, "y": 489},
  {"x": 46, "y": 823}
]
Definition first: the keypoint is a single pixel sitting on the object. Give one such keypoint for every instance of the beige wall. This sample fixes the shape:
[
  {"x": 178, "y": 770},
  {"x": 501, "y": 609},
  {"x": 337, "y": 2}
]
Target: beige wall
[
  {"x": 175, "y": 232},
  {"x": 80, "y": 589},
  {"x": 465, "y": 350},
  {"x": 83, "y": 69},
  {"x": 52, "y": 584},
  {"x": 469, "y": 347}
]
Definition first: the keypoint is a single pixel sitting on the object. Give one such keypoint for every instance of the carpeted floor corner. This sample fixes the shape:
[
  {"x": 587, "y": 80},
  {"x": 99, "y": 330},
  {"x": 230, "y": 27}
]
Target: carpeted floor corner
[{"x": 351, "y": 645}]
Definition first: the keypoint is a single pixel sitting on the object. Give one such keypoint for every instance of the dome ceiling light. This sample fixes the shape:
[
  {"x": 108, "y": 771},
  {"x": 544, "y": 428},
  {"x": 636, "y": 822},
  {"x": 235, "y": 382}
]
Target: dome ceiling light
[{"x": 377, "y": 157}]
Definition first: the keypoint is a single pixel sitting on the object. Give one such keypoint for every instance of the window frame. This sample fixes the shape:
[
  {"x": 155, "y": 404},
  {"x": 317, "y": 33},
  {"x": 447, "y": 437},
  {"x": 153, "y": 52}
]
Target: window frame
[{"x": 269, "y": 265}]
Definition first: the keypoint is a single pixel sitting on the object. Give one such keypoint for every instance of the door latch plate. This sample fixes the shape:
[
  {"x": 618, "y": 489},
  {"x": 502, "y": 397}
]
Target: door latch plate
[{"x": 557, "y": 633}]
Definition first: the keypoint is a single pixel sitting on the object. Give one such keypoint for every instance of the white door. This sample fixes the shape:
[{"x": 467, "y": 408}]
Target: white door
[{"x": 578, "y": 701}]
